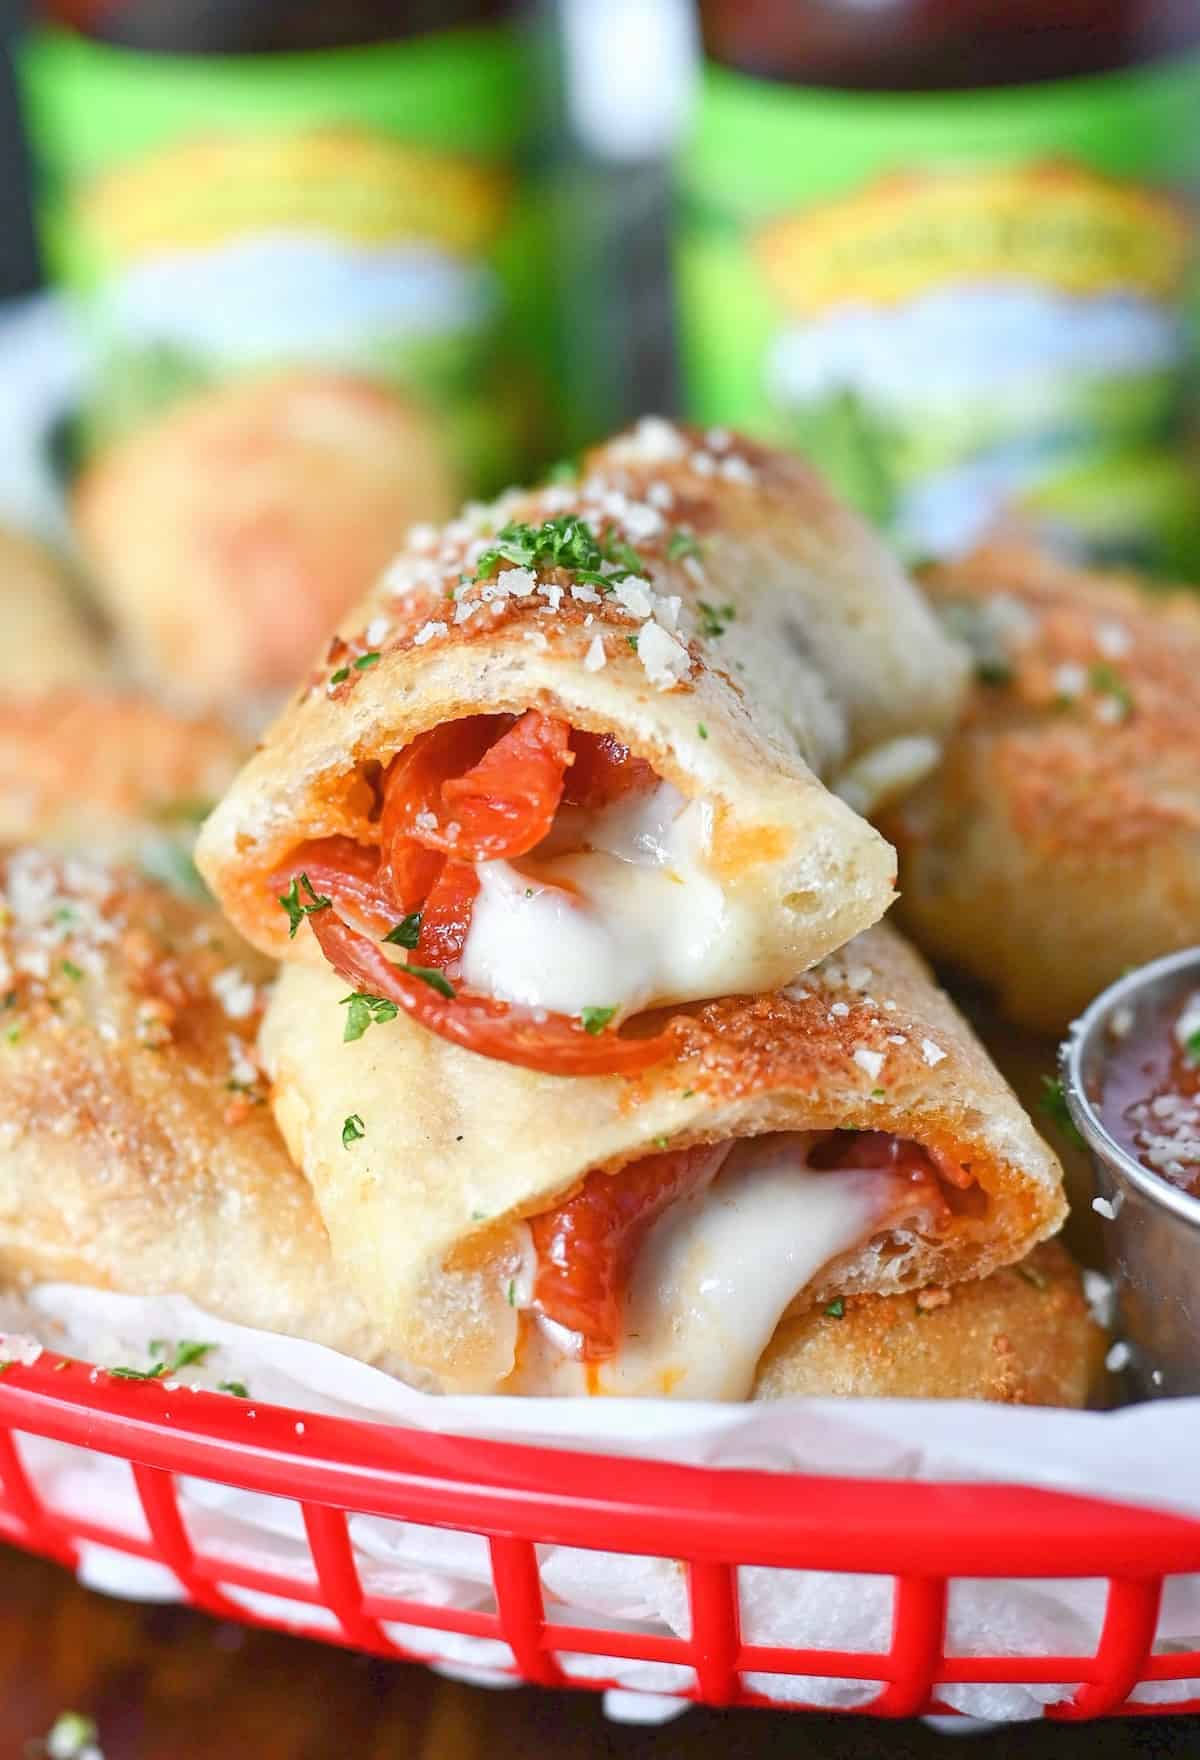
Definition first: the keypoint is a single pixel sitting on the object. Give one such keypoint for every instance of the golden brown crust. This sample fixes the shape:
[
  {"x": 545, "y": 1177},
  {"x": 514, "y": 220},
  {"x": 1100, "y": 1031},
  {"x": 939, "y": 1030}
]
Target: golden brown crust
[
  {"x": 684, "y": 665},
  {"x": 1060, "y": 841},
  {"x": 46, "y": 639},
  {"x": 1023, "y": 1336},
  {"x": 228, "y": 535},
  {"x": 109, "y": 772},
  {"x": 138, "y": 1153},
  {"x": 421, "y": 1214}
]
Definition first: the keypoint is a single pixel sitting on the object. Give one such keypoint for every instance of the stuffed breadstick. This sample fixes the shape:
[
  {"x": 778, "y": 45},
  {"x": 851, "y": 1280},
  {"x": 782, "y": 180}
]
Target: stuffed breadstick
[
  {"x": 512, "y": 1232},
  {"x": 1023, "y": 1336},
  {"x": 1059, "y": 842},
  {"x": 138, "y": 1153},
  {"x": 568, "y": 754},
  {"x": 112, "y": 773}
]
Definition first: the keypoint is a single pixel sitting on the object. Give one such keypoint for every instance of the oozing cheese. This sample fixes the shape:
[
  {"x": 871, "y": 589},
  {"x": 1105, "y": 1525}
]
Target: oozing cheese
[
  {"x": 717, "y": 1272},
  {"x": 630, "y": 917}
]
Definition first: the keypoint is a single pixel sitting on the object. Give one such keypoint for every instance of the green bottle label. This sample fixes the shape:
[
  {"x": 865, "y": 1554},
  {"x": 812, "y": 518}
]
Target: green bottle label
[
  {"x": 969, "y": 307},
  {"x": 355, "y": 208}
]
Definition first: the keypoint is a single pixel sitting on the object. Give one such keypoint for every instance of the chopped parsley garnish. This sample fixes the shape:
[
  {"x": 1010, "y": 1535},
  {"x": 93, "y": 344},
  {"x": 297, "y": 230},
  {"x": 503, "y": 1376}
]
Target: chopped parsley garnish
[
  {"x": 661, "y": 1142},
  {"x": 682, "y": 544},
  {"x": 596, "y": 1019},
  {"x": 563, "y": 542},
  {"x": 1054, "y": 1104},
  {"x": 878, "y": 1093},
  {"x": 365, "y": 1011},
  {"x": 436, "y": 980},
  {"x": 633, "y": 642},
  {"x": 406, "y": 933},
  {"x": 353, "y": 1130},
  {"x": 836, "y": 1308},
  {"x": 71, "y": 970},
  {"x": 238, "y": 1389},
  {"x": 340, "y": 676},
  {"x": 186, "y": 1352},
  {"x": 1108, "y": 681},
  {"x": 994, "y": 672},
  {"x": 1191, "y": 1046},
  {"x": 701, "y": 730},
  {"x": 512, "y": 1292},
  {"x": 365, "y": 660},
  {"x": 296, "y": 909},
  {"x": 715, "y": 619}
]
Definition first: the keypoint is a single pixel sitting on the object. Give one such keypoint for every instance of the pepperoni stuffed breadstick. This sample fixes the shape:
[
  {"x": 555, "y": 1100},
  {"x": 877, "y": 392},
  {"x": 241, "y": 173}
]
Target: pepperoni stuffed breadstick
[
  {"x": 513, "y": 1232},
  {"x": 568, "y": 763}
]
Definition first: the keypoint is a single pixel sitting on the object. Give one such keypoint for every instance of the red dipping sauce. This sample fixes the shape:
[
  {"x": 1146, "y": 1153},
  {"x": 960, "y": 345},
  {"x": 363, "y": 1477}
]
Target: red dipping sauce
[{"x": 1150, "y": 1098}]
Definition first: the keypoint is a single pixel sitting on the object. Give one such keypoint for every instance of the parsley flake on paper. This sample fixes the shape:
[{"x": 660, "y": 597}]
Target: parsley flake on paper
[
  {"x": 596, "y": 1019},
  {"x": 165, "y": 1362},
  {"x": 353, "y": 1130}
]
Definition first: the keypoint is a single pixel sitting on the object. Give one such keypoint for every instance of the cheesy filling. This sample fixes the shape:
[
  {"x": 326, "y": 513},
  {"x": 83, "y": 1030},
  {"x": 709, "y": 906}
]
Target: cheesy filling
[
  {"x": 615, "y": 909},
  {"x": 718, "y": 1271}
]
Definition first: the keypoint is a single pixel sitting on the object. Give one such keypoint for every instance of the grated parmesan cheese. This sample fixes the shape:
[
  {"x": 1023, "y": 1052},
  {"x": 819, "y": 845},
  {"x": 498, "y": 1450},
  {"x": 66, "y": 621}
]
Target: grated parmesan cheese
[
  {"x": 595, "y": 657},
  {"x": 666, "y": 661}
]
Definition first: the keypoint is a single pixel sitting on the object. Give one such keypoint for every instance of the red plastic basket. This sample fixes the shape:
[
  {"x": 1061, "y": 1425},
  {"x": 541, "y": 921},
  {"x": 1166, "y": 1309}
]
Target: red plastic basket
[{"x": 711, "y": 1520}]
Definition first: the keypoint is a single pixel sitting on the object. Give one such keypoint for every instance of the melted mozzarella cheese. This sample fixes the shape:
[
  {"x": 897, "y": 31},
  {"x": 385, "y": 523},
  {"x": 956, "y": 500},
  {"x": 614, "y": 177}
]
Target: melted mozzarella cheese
[
  {"x": 718, "y": 1271},
  {"x": 630, "y": 917}
]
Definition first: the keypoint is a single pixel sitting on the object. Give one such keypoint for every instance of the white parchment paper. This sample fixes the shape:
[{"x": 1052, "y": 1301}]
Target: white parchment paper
[{"x": 1144, "y": 1454}]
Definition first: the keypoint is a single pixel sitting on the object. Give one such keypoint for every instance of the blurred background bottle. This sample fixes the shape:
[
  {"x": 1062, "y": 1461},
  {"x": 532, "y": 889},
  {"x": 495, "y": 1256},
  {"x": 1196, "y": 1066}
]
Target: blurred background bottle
[
  {"x": 241, "y": 185},
  {"x": 948, "y": 247},
  {"x": 309, "y": 272}
]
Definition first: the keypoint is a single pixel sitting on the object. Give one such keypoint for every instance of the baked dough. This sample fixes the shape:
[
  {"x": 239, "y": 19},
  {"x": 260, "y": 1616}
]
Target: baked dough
[{"x": 1059, "y": 842}]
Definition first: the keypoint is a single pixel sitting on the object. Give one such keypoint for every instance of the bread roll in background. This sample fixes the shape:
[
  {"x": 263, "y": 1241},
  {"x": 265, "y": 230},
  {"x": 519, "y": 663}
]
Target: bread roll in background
[
  {"x": 1059, "y": 841},
  {"x": 110, "y": 772},
  {"x": 226, "y": 538},
  {"x": 47, "y": 639}
]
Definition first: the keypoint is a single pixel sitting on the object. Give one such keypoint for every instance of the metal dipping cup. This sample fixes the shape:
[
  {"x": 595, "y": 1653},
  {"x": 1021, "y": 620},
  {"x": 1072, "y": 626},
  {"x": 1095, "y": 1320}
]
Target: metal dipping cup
[{"x": 1153, "y": 1234}]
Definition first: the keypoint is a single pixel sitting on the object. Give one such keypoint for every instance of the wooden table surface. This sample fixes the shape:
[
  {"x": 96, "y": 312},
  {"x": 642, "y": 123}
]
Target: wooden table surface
[{"x": 170, "y": 1684}]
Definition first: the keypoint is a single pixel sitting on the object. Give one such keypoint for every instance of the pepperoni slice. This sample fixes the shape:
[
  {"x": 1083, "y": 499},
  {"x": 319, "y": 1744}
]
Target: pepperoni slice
[
  {"x": 506, "y": 804},
  {"x": 553, "y": 1043},
  {"x": 604, "y": 770},
  {"x": 348, "y": 873},
  {"x": 921, "y": 1167},
  {"x": 446, "y": 917},
  {"x": 413, "y": 806},
  {"x": 586, "y": 1247}
]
